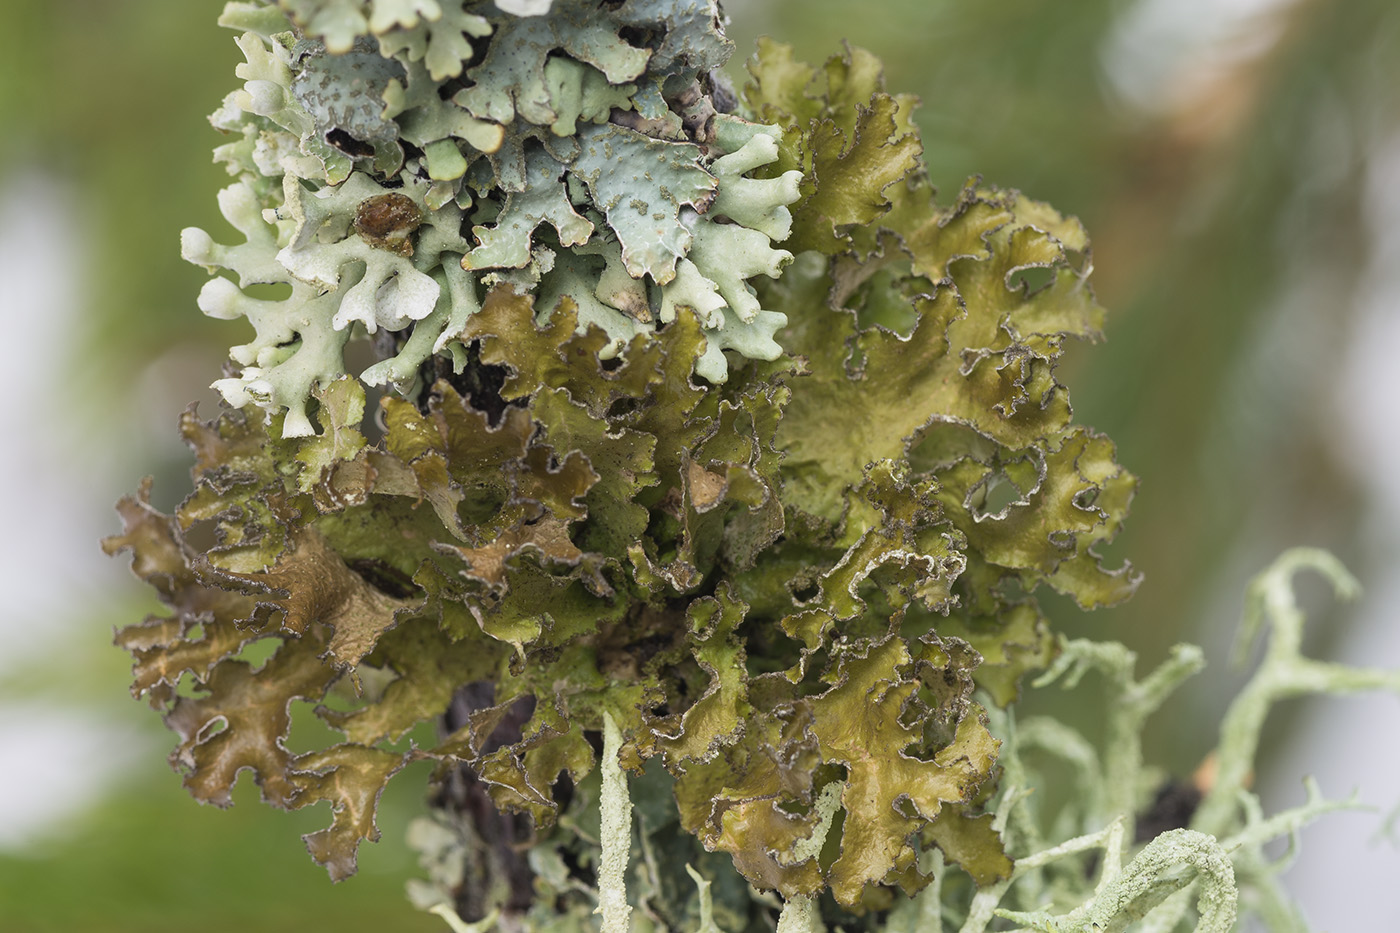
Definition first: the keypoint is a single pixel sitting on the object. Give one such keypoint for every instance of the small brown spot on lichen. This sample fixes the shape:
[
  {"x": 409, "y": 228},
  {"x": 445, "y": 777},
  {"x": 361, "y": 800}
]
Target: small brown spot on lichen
[{"x": 387, "y": 221}]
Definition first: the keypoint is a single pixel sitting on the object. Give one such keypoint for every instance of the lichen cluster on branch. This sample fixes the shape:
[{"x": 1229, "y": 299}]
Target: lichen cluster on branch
[{"x": 765, "y": 534}]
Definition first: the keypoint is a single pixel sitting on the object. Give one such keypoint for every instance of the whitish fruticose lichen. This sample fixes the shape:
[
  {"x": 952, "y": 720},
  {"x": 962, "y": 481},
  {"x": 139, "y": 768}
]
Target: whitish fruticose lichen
[{"x": 526, "y": 143}]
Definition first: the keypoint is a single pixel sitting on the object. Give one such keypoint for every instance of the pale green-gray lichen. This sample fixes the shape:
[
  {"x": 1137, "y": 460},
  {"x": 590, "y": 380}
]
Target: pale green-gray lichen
[
  {"x": 1197, "y": 877},
  {"x": 566, "y": 160}
]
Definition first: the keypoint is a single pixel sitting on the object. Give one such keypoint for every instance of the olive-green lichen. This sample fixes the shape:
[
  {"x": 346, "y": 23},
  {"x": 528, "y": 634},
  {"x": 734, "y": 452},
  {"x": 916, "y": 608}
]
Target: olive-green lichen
[{"x": 648, "y": 484}]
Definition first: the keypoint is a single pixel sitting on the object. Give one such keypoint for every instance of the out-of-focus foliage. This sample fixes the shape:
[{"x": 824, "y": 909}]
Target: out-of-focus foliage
[
  {"x": 773, "y": 572},
  {"x": 127, "y": 149},
  {"x": 132, "y": 859}
]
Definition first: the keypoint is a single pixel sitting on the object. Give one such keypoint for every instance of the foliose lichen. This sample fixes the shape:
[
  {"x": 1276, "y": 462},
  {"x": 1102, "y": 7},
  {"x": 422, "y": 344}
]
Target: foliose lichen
[
  {"x": 754, "y": 528},
  {"x": 569, "y": 150}
]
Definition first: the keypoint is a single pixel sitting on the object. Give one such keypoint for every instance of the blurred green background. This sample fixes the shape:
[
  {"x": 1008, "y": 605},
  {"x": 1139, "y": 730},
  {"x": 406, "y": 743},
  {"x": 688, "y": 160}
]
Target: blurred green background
[{"x": 1237, "y": 163}]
